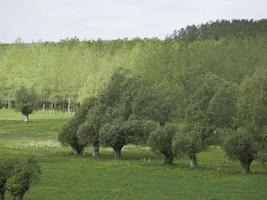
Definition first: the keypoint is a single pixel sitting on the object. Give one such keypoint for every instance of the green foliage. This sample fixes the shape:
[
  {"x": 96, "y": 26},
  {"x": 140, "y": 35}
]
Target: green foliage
[
  {"x": 6, "y": 168},
  {"x": 114, "y": 135},
  {"x": 49, "y": 69},
  {"x": 221, "y": 29},
  {"x": 222, "y": 107},
  {"x": 209, "y": 105},
  {"x": 68, "y": 134},
  {"x": 192, "y": 78},
  {"x": 139, "y": 130},
  {"x": 20, "y": 175},
  {"x": 157, "y": 102},
  {"x": 133, "y": 107},
  {"x": 88, "y": 131},
  {"x": 26, "y": 101},
  {"x": 248, "y": 142},
  {"x": 252, "y": 104},
  {"x": 189, "y": 139},
  {"x": 160, "y": 140},
  {"x": 103, "y": 112},
  {"x": 199, "y": 94},
  {"x": 117, "y": 134},
  {"x": 18, "y": 184},
  {"x": 242, "y": 145}
]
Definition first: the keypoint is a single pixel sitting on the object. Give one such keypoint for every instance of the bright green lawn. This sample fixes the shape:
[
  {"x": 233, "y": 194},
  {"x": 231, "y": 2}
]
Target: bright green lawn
[{"x": 65, "y": 176}]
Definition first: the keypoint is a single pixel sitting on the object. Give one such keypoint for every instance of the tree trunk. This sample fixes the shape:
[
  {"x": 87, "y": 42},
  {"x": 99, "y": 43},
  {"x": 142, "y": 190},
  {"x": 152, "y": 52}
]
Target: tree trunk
[
  {"x": 76, "y": 151},
  {"x": 52, "y": 107},
  {"x": 2, "y": 195},
  {"x": 192, "y": 160},
  {"x": 9, "y": 104},
  {"x": 25, "y": 118},
  {"x": 95, "y": 150},
  {"x": 117, "y": 152},
  {"x": 168, "y": 159},
  {"x": 43, "y": 106},
  {"x": 245, "y": 166},
  {"x": 19, "y": 197},
  {"x": 69, "y": 105}
]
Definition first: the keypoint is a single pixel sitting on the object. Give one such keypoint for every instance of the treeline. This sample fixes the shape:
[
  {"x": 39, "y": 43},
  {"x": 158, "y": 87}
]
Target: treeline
[
  {"x": 177, "y": 117},
  {"x": 64, "y": 74},
  {"x": 221, "y": 29}
]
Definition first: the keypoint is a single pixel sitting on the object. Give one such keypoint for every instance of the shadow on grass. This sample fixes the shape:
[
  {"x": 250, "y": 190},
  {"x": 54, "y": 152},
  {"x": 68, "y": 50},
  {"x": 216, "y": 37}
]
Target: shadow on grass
[{"x": 139, "y": 156}]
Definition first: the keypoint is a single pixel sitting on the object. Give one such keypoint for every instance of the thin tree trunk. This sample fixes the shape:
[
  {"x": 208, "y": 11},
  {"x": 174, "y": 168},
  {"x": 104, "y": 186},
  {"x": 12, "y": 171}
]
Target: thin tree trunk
[
  {"x": 43, "y": 106},
  {"x": 168, "y": 159},
  {"x": 95, "y": 150},
  {"x": 192, "y": 160},
  {"x": 69, "y": 105},
  {"x": 117, "y": 153},
  {"x": 52, "y": 107},
  {"x": 9, "y": 104},
  {"x": 245, "y": 167},
  {"x": 2, "y": 195},
  {"x": 26, "y": 118}
]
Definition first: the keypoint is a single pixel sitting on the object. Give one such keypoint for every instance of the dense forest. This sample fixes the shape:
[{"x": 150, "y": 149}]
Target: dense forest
[
  {"x": 221, "y": 29},
  {"x": 63, "y": 74}
]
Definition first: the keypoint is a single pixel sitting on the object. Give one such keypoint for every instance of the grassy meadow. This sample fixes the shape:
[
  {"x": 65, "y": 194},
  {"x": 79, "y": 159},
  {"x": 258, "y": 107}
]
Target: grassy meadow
[{"x": 140, "y": 173}]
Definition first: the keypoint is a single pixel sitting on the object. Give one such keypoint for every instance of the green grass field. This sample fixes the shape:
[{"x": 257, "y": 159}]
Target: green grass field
[{"x": 68, "y": 177}]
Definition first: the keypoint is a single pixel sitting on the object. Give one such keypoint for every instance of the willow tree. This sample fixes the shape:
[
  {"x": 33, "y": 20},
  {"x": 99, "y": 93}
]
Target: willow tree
[
  {"x": 26, "y": 102},
  {"x": 247, "y": 140},
  {"x": 210, "y": 105},
  {"x": 68, "y": 135},
  {"x": 160, "y": 140}
]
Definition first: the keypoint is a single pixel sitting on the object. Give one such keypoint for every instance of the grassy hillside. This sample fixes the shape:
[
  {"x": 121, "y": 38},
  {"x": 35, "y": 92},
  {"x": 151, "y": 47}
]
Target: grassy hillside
[{"x": 65, "y": 176}]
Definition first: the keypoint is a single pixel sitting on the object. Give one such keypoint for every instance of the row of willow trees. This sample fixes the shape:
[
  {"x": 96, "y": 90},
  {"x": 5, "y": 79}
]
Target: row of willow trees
[
  {"x": 63, "y": 74},
  {"x": 179, "y": 116}
]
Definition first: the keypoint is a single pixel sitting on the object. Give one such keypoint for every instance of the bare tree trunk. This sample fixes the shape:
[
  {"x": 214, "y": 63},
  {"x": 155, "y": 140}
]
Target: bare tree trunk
[
  {"x": 95, "y": 150},
  {"x": 43, "y": 106},
  {"x": 69, "y": 105},
  {"x": 245, "y": 166},
  {"x": 19, "y": 197},
  {"x": 2, "y": 195},
  {"x": 9, "y": 104},
  {"x": 25, "y": 118},
  {"x": 192, "y": 160},
  {"x": 168, "y": 158},
  {"x": 117, "y": 152},
  {"x": 52, "y": 107}
]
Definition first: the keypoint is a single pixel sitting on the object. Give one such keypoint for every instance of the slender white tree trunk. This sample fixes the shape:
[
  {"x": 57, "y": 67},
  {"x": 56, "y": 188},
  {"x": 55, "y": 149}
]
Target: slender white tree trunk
[
  {"x": 95, "y": 150},
  {"x": 43, "y": 106},
  {"x": 69, "y": 105},
  {"x": 193, "y": 160},
  {"x": 52, "y": 107},
  {"x": 9, "y": 104}
]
